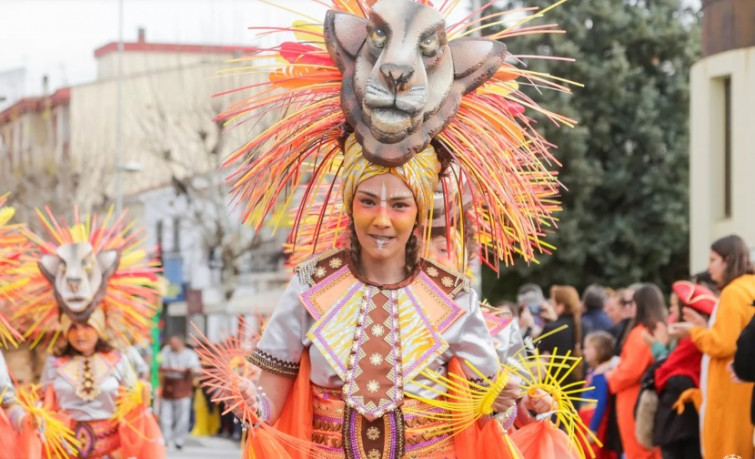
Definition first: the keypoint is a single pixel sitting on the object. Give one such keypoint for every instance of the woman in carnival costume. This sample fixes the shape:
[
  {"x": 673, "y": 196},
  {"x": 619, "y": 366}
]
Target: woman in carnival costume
[
  {"x": 90, "y": 292},
  {"x": 374, "y": 351}
]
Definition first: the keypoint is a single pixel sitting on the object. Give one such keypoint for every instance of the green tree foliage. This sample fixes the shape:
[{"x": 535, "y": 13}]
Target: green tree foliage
[{"x": 625, "y": 166}]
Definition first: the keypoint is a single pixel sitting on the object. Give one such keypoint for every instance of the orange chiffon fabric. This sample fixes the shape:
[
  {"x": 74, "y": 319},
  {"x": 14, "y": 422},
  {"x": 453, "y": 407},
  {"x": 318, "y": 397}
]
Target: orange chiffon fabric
[
  {"x": 141, "y": 436},
  {"x": 543, "y": 440},
  {"x": 295, "y": 423},
  {"x": 8, "y": 438}
]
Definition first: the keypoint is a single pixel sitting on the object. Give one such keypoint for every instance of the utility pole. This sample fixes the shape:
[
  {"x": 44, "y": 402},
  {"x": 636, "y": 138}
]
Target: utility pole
[{"x": 119, "y": 117}]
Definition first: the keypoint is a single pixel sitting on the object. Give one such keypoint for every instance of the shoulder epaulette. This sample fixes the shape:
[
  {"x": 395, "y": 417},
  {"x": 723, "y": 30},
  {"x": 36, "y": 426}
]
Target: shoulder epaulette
[
  {"x": 320, "y": 266},
  {"x": 451, "y": 282}
]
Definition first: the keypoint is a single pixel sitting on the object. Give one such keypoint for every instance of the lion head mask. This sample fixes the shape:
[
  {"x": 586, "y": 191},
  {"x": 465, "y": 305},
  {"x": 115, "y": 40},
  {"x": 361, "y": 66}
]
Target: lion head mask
[
  {"x": 402, "y": 78},
  {"x": 79, "y": 277}
]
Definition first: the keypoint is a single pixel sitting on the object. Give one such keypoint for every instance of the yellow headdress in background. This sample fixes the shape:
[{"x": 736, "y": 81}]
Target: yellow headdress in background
[
  {"x": 123, "y": 313},
  {"x": 12, "y": 245}
]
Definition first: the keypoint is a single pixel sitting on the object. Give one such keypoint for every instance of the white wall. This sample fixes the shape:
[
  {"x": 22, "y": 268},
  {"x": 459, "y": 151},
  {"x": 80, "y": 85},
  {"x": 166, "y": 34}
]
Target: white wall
[
  {"x": 162, "y": 112},
  {"x": 707, "y": 220}
]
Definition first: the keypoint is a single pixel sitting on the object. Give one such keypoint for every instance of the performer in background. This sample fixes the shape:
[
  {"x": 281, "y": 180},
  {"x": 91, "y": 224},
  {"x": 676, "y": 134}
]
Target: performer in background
[{"x": 93, "y": 291}]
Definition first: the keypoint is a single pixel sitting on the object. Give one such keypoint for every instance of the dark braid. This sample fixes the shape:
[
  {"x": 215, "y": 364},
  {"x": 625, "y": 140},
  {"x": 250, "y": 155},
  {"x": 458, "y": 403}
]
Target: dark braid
[
  {"x": 356, "y": 248},
  {"x": 412, "y": 252}
]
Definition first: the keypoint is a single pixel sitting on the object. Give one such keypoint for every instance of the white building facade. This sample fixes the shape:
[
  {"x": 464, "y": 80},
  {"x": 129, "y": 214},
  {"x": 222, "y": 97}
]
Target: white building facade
[{"x": 722, "y": 124}]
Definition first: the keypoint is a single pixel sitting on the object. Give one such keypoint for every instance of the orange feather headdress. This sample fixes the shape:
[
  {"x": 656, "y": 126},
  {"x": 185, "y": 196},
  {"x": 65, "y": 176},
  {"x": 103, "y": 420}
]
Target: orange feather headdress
[
  {"x": 503, "y": 163},
  {"x": 131, "y": 295}
]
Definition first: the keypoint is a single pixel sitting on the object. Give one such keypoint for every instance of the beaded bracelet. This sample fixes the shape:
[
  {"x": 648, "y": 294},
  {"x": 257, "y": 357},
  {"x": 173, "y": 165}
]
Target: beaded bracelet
[
  {"x": 507, "y": 418},
  {"x": 263, "y": 406},
  {"x": 263, "y": 411},
  {"x": 244, "y": 425},
  {"x": 15, "y": 412}
]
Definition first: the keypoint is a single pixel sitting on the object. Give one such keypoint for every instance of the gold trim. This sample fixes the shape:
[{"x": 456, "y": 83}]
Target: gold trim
[{"x": 274, "y": 365}]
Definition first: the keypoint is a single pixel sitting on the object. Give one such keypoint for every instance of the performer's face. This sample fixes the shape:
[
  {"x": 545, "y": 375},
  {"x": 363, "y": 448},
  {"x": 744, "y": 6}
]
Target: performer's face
[
  {"x": 385, "y": 214},
  {"x": 439, "y": 251},
  {"x": 83, "y": 338}
]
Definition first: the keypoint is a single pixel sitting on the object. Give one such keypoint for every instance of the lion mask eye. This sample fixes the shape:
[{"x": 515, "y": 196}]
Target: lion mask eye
[
  {"x": 429, "y": 45},
  {"x": 377, "y": 37}
]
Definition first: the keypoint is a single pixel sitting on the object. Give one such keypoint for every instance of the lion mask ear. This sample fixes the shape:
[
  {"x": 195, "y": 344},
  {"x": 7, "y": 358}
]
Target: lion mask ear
[
  {"x": 475, "y": 60},
  {"x": 108, "y": 261},
  {"x": 49, "y": 266},
  {"x": 345, "y": 35}
]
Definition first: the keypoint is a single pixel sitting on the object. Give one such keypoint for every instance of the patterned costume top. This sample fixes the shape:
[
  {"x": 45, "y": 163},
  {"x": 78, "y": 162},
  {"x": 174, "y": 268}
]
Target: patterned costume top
[
  {"x": 90, "y": 394},
  {"x": 328, "y": 312},
  {"x": 438, "y": 317}
]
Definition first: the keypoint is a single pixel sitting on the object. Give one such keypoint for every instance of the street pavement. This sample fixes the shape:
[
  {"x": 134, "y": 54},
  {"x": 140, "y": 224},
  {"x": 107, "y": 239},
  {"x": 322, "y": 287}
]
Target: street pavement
[{"x": 207, "y": 447}]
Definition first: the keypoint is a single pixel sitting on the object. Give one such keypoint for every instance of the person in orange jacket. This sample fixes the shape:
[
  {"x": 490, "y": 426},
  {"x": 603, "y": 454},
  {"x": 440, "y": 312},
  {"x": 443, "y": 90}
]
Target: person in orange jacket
[
  {"x": 724, "y": 429},
  {"x": 636, "y": 357}
]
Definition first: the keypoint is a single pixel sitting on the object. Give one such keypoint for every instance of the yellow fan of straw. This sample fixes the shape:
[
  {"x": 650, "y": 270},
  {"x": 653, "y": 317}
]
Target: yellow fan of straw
[
  {"x": 58, "y": 441},
  {"x": 464, "y": 402}
]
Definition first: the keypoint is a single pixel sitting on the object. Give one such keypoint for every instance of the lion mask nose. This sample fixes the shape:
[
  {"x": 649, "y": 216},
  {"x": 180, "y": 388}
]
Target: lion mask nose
[
  {"x": 396, "y": 75},
  {"x": 74, "y": 283}
]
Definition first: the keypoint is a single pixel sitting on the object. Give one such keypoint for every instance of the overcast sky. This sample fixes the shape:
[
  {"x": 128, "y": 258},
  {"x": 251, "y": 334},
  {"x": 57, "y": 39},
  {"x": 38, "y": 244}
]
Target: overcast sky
[{"x": 58, "y": 37}]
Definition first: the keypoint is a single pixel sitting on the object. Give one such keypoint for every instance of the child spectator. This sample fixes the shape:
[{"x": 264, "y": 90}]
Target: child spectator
[{"x": 599, "y": 346}]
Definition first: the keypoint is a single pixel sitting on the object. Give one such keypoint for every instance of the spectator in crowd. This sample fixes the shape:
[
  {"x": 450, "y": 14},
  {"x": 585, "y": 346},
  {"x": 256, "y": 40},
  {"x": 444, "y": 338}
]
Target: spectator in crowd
[
  {"x": 598, "y": 355},
  {"x": 674, "y": 309},
  {"x": 743, "y": 366},
  {"x": 677, "y": 433},
  {"x": 530, "y": 300},
  {"x": 625, "y": 379},
  {"x": 566, "y": 310},
  {"x": 703, "y": 278},
  {"x": 613, "y": 307},
  {"x": 619, "y": 309},
  {"x": 505, "y": 309},
  {"x": 594, "y": 318},
  {"x": 725, "y": 403},
  {"x": 177, "y": 368},
  {"x": 627, "y": 307}
]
